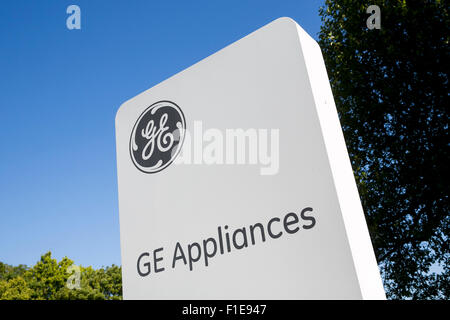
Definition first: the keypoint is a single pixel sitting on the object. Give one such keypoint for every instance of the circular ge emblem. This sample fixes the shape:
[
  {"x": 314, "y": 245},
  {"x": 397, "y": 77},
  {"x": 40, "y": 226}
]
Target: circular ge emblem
[{"x": 157, "y": 137}]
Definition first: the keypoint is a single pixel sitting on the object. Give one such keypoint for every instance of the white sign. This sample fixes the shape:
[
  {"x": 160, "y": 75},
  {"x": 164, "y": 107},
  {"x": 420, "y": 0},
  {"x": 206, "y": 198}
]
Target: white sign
[{"x": 235, "y": 182}]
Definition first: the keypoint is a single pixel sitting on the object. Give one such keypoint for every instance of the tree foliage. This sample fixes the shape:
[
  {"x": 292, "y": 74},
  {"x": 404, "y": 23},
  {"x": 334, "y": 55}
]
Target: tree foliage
[
  {"x": 392, "y": 95},
  {"x": 48, "y": 280}
]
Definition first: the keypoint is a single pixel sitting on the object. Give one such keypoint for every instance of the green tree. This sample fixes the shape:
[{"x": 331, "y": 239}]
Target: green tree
[
  {"x": 15, "y": 289},
  {"x": 8, "y": 272},
  {"x": 392, "y": 95},
  {"x": 48, "y": 278},
  {"x": 101, "y": 284}
]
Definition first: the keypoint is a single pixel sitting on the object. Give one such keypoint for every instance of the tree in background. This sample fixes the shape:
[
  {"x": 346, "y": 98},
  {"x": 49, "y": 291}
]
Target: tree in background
[
  {"x": 392, "y": 94},
  {"x": 47, "y": 280}
]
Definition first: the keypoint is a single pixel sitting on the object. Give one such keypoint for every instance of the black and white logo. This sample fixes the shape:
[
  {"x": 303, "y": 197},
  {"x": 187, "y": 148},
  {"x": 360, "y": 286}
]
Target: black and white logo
[{"x": 157, "y": 137}]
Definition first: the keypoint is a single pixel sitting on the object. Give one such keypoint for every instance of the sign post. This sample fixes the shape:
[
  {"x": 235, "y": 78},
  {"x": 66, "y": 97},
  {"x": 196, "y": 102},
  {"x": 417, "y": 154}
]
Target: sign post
[{"x": 235, "y": 182}]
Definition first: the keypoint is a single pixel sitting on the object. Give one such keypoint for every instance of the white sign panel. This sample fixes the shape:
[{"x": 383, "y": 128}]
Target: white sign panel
[{"x": 235, "y": 182}]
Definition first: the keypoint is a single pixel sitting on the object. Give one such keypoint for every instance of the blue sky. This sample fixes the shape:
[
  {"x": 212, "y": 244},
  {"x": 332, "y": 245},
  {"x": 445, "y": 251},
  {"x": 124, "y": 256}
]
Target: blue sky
[{"x": 60, "y": 90}]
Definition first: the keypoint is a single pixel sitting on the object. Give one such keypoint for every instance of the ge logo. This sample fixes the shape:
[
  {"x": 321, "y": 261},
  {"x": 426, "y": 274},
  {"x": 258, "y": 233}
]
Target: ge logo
[{"x": 157, "y": 137}]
